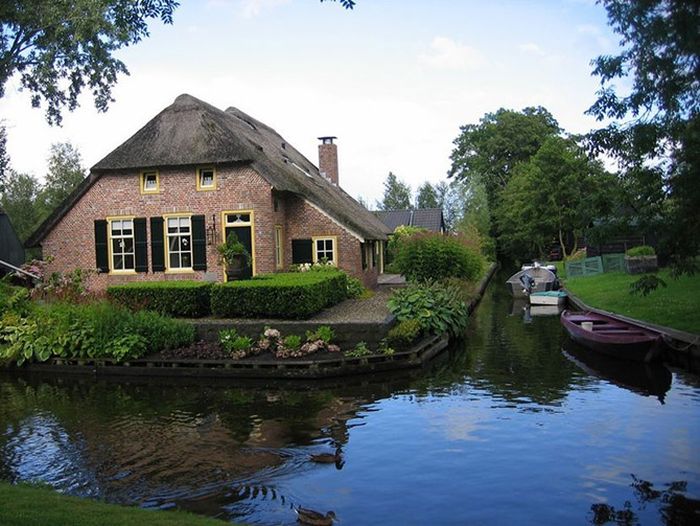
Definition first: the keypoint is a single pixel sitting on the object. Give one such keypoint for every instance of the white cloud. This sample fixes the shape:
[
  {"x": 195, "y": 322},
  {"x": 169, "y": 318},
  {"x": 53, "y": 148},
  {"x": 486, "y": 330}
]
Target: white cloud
[
  {"x": 596, "y": 34},
  {"x": 531, "y": 47},
  {"x": 252, "y": 8},
  {"x": 446, "y": 53}
]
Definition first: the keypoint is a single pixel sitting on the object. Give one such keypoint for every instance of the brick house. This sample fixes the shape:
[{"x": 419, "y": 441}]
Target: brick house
[{"x": 156, "y": 207}]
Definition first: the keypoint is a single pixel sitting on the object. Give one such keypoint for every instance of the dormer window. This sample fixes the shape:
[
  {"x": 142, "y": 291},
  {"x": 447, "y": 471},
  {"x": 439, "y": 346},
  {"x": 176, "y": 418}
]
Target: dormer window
[
  {"x": 206, "y": 179},
  {"x": 149, "y": 182}
]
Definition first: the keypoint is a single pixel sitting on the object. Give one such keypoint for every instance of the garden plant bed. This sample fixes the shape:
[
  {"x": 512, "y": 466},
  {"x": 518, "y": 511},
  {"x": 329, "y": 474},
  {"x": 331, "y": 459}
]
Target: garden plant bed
[{"x": 322, "y": 365}]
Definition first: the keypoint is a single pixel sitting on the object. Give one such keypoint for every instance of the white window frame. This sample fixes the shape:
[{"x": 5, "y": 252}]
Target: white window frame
[
  {"x": 185, "y": 239},
  {"x": 111, "y": 237}
]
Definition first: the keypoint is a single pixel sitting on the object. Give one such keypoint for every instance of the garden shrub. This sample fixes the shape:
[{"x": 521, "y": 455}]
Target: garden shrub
[
  {"x": 358, "y": 351},
  {"x": 437, "y": 307},
  {"x": 404, "y": 334},
  {"x": 642, "y": 250},
  {"x": 284, "y": 295},
  {"x": 431, "y": 256},
  {"x": 98, "y": 330},
  {"x": 399, "y": 237},
  {"x": 324, "y": 333},
  {"x": 188, "y": 299},
  {"x": 355, "y": 287}
]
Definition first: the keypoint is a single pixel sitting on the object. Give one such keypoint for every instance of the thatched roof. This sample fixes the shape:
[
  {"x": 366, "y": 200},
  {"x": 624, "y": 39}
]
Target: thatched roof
[{"x": 192, "y": 132}]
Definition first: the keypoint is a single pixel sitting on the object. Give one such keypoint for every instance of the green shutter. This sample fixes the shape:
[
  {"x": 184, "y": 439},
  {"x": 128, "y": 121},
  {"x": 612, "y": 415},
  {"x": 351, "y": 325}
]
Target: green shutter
[
  {"x": 302, "y": 251},
  {"x": 157, "y": 245},
  {"x": 101, "y": 252},
  {"x": 141, "y": 244},
  {"x": 199, "y": 244}
]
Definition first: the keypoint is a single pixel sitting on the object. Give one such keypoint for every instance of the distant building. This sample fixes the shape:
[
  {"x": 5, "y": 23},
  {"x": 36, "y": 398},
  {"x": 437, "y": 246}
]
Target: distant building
[
  {"x": 11, "y": 250},
  {"x": 431, "y": 219}
]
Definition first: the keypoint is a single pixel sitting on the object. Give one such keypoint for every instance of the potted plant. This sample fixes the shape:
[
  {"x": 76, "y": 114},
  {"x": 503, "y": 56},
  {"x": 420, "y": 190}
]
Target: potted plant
[
  {"x": 641, "y": 259},
  {"x": 234, "y": 255}
]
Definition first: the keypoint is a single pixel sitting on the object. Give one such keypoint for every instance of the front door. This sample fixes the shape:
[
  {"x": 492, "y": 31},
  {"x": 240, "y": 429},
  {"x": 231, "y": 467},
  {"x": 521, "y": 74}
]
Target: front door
[{"x": 242, "y": 224}]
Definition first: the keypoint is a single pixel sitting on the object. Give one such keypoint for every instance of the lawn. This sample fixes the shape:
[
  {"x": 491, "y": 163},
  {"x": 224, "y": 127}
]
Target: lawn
[
  {"x": 25, "y": 505},
  {"x": 676, "y": 306}
]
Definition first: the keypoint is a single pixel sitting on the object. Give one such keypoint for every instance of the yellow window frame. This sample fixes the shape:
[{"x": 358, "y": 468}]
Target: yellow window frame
[
  {"x": 279, "y": 247},
  {"x": 142, "y": 182},
  {"x": 250, "y": 223},
  {"x": 166, "y": 242},
  {"x": 314, "y": 252},
  {"x": 110, "y": 254},
  {"x": 198, "y": 176}
]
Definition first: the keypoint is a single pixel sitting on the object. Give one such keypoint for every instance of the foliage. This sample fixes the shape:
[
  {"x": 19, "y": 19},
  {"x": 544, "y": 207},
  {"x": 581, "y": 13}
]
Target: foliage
[
  {"x": 190, "y": 299},
  {"x": 556, "y": 194},
  {"x": 232, "y": 249},
  {"x": 282, "y": 295},
  {"x": 426, "y": 196},
  {"x": 642, "y": 250},
  {"x": 358, "y": 351},
  {"x": 404, "y": 334},
  {"x": 432, "y": 256},
  {"x": 451, "y": 200},
  {"x": 397, "y": 194},
  {"x": 324, "y": 333},
  {"x": 18, "y": 202},
  {"x": 96, "y": 331},
  {"x": 292, "y": 342},
  {"x": 65, "y": 173},
  {"x": 438, "y": 307},
  {"x": 397, "y": 239},
  {"x": 70, "y": 286},
  {"x": 485, "y": 154},
  {"x": 646, "y": 284},
  {"x": 675, "y": 305},
  {"x": 60, "y": 47},
  {"x": 4, "y": 157},
  {"x": 655, "y": 130},
  {"x": 347, "y": 4},
  {"x": 355, "y": 287}
]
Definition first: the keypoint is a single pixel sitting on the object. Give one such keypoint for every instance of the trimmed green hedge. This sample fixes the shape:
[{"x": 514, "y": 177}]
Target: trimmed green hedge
[
  {"x": 294, "y": 295},
  {"x": 641, "y": 250},
  {"x": 189, "y": 299}
]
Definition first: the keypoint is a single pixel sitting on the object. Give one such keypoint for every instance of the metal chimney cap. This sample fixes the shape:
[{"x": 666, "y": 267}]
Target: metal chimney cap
[{"x": 328, "y": 139}]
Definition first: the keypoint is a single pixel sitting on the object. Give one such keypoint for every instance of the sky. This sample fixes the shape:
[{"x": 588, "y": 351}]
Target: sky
[{"x": 393, "y": 79}]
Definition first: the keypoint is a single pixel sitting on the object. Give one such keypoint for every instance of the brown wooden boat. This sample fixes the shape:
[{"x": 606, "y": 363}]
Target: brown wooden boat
[{"x": 612, "y": 336}]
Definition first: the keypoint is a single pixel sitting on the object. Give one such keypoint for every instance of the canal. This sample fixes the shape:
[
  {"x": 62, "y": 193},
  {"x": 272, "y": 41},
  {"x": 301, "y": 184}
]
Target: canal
[{"x": 514, "y": 426}]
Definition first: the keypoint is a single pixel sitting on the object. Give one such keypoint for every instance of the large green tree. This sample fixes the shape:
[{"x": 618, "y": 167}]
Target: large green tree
[
  {"x": 4, "y": 157},
  {"x": 557, "y": 194},
  {"x": 487, "y": 153},
  {"x": 59, "y": 47},
  {"x": 426, "y": 196},
  {"x": 19, "y": 202},
  {"x": 655, "y": 128},
  {"x": 397, "y": 194},
  {"x": 64, "y": 174}
]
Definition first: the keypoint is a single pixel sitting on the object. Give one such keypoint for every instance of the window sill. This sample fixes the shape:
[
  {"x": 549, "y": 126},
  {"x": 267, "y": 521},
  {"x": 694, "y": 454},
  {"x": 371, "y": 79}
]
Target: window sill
[
  {"x": 121, "y": 273},
  {"x": 180, "y": 271}
]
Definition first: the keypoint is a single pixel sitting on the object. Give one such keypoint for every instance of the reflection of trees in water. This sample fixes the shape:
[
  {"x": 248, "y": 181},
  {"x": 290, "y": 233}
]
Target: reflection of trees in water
[
  {"x": 675, "y": 509},
  {"x": 518, "y": 362}
]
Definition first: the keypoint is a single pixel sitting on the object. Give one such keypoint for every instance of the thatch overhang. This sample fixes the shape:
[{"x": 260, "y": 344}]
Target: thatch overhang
[{"x": 192, "y": 132}]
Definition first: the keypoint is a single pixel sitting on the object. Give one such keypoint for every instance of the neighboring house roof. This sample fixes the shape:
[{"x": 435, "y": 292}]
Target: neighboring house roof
[
  {"x": 428, "y": 218},
  {"x": 192, "y": 132}
]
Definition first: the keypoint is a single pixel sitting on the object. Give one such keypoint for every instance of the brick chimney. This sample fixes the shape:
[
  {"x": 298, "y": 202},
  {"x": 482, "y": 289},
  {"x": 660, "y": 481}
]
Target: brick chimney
[{"x": 328, "y": 159}]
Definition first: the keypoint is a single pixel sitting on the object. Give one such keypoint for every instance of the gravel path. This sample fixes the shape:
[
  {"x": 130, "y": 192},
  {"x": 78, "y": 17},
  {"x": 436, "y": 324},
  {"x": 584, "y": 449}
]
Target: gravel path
[{"x": 372, "y": 309}]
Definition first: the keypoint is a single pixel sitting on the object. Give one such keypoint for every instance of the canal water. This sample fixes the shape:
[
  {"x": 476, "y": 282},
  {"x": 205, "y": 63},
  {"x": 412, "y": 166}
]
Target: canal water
[{"x": 514, "y": 426}]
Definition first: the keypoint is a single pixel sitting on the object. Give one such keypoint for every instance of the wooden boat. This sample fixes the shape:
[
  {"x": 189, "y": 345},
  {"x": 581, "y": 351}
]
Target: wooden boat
[
  {"x": 548, "y": 297},
  {"x": 532, "y": 279},
  {"x": 611, "y": 336}
]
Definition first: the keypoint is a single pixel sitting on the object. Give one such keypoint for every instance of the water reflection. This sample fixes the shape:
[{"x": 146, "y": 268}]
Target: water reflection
[{"x": 503, "y": 429}]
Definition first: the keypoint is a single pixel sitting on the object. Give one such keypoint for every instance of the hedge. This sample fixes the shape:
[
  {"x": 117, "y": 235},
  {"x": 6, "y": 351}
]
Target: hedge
[
  {"x": 188, "y": 299},
  {"x": 295, "y": 295}
]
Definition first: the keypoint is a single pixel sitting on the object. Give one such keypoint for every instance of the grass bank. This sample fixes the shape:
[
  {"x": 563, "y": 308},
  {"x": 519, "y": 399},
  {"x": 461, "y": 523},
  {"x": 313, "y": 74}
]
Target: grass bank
[
  {"x": 27, "y": 505},
  {"x": 676, "y": 306}
]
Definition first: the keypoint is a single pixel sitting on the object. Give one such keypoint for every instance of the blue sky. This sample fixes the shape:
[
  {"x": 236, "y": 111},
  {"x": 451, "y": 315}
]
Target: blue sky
[{"x": 392, "y": 79}]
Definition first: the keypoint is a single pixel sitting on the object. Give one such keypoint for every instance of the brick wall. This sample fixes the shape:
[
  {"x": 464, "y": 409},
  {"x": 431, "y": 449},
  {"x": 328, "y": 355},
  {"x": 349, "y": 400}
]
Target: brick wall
[{"x": 72, "y": 243}]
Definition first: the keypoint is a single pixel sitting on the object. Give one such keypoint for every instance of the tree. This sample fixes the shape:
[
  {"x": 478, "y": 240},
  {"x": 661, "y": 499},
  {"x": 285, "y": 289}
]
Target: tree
[
  {"x": 426, "y": 197},
  {"x": 58, "y": 47},
  {"x": 4, "y": 158},
  {"x": 488, "y": 152},
  {"x": 556, "y": 195},
  {"x": 19, "y": 200},
  {"x": 655, "y": 133},
  {"x": 397, "y": 194},
  {"x": 64, "y": 174}
]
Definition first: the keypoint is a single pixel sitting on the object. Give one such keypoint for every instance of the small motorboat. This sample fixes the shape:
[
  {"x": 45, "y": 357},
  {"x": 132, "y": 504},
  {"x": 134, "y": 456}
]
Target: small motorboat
[
  {"x": 611, "y": 336},
  {"x": 529, "y": 279},
  {"x": 548, "y": 297}
]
